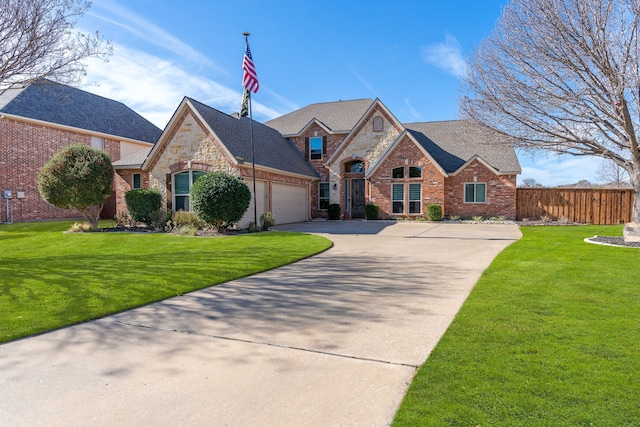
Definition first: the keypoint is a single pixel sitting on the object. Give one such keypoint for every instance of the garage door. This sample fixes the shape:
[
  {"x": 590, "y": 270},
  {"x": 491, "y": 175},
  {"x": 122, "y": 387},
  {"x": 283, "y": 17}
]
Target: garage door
[
  {"x": 263, "y": 203},
  {"x": 290, "y": 203}
]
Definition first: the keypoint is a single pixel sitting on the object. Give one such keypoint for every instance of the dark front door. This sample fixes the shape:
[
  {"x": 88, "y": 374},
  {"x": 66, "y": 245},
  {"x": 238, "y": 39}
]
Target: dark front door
[{"x": 357, "y": 198}]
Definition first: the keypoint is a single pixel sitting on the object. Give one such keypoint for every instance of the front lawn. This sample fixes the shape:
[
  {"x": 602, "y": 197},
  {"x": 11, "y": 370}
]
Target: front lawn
[
  {"x": 550, "y": 336},
  {"x": 49, "y": 279}
]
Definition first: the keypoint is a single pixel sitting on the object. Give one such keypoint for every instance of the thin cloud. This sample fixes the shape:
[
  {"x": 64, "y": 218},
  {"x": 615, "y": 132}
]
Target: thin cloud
[
  {"x": 415, "y": 114},
  {"x": 446, "y": 55},
  {"x": 154, "y": 87},
  {"x": 116, "y": 14},
  {"x": 363, "y": 81}
]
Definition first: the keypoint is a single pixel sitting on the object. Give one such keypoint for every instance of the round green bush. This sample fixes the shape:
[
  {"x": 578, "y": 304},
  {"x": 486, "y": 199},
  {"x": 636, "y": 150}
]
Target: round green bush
[
  {"x": 77, "y": 177},
  {"x": 142, "y": 203},
  {"x": 219, "y": 198},
  {"x": 434, "y": 212},
  {"x": 371, "y": 211}
]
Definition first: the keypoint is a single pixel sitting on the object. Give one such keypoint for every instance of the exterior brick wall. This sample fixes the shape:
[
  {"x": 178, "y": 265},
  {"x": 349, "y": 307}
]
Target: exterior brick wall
[
  {"x": 501, "y": 193},
  {"x": 123, "y": 182},
  {"x": 406, "y": 154},
  {"x": 24, "y": 148}
]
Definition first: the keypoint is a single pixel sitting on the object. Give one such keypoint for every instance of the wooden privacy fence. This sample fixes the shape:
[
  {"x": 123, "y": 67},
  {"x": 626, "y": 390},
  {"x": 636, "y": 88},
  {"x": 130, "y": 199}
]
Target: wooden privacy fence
[{"x": 583, "y": 205}]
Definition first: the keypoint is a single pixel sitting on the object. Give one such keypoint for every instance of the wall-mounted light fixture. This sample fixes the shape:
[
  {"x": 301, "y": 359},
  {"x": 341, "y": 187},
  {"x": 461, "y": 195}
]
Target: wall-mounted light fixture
[{"x": 335, "y": 185}]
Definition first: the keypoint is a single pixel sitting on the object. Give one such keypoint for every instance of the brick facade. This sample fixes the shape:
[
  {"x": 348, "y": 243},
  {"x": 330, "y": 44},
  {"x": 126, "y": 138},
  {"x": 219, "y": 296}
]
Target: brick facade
[
  {"x": 501, "y": 193},
  {"x": 24, "y": 148},
  {"x": 405, "y": 155}
]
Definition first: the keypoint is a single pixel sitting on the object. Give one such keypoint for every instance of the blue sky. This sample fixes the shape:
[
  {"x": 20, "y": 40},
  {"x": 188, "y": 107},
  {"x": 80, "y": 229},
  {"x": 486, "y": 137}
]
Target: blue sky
[{"x": 410, "y": 54}]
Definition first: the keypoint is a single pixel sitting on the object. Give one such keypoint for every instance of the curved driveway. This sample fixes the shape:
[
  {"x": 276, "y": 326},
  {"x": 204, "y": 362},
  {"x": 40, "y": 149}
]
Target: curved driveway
[{"x": 333, "y": 340}]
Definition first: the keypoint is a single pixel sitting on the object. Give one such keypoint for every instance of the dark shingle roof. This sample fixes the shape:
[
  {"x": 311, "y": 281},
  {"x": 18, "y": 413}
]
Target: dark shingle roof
[
  {"x": 271, "y": 149},
  {"x": 455, "y": 142},
  {"x": 339, "y": 116},
  {"x": 65, "y": 105}
]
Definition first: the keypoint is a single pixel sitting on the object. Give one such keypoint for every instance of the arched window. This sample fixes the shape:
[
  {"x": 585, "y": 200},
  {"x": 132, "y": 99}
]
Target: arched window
[
  {"x": 415, "y": 172},
  {"x": 378, "y": 124},
  {"x": 182, "y": 183},
  {"x": 397, "y": 173}
]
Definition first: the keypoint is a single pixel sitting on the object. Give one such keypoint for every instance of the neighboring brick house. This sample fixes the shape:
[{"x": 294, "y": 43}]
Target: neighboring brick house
[
  {"x": 363, "y": 154},
  {"x": 348, "y": 152},
  {"x": 40, "y": 119}
]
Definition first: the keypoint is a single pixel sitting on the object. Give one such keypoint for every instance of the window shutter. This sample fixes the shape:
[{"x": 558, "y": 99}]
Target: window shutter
[
  {"x": 169, "y": 196},
  {"x": 306, "y": 148},
  {"x": 324, "y": 146}
]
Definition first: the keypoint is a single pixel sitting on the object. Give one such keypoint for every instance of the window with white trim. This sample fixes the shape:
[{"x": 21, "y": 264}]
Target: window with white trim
[
  {"x": 315, "y": 148},
  {"x": 323, "y": 195},
  {"x": 136, "y": 181},
  {"x": 415, "y": 198},
  {"x": 397, "y": 198},
  {"x": 475, "y": 192},
  {"x": 97, "y": 142},
  {"x": 182, "y": 183},
  {"x": 397, "y": 173},
  {"x": 415, "y": 172}
]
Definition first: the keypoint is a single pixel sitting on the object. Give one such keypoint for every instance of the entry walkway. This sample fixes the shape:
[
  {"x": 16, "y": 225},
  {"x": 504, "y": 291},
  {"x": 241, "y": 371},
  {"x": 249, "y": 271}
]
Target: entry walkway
[{"x": 331, "y": 340}]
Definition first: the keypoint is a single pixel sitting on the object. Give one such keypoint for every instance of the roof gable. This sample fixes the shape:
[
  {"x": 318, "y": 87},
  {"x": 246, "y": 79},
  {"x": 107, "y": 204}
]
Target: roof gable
[
  {"x": 453, "y": 144},
  {"x": 271, "y": 149},
  {"x": 338, "y": 117},
  {"x": 64, "y": 105},
  {"x": 366, "y": 116}
]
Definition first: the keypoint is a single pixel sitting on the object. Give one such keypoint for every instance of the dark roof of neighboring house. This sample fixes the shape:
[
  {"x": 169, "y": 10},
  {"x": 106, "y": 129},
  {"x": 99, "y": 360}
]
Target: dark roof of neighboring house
[
  {"x": 271, "y": 148},
  {"x": 455, "y": 142},
  {"x": 339, "y": 116},
  {"x": 65, "y": 105}
]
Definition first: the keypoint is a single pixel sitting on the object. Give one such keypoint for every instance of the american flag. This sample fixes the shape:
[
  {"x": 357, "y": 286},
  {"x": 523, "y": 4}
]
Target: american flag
[{"x": 250, "y": 78}]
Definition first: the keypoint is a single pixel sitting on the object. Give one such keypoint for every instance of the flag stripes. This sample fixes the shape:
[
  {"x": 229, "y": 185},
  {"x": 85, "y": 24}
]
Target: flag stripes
[{"x": 249, "y": 78}]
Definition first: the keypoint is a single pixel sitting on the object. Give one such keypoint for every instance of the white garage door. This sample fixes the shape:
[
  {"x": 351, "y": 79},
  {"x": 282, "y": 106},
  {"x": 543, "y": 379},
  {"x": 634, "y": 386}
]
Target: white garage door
[
  {"x": 263, "y": 203},
  {"x": 290, "y": 203}
]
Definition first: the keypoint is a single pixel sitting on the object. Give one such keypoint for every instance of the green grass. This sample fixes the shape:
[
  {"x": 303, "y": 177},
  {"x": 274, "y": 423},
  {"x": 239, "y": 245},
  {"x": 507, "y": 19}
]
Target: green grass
[
  {"x": 49, "y": 279},
  {"x": 550, "y": 336}
]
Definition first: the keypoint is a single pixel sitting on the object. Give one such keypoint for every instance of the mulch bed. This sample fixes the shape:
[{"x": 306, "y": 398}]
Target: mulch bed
[{"x": 613, "y": 241}]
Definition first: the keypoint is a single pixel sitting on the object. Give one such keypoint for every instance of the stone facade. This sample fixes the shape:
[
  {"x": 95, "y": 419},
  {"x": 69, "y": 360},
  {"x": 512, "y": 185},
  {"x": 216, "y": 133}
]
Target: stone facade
[{"x": 24, "y": 149}]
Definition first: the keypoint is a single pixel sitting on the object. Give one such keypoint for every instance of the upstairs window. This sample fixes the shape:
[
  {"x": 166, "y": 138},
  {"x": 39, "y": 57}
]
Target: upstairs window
[
  {"x": 415, "y": 172},
  {"x": 97, "y": 143},
  {"x": 315, "y": 148},
  {"x": 397, "y": 173}
]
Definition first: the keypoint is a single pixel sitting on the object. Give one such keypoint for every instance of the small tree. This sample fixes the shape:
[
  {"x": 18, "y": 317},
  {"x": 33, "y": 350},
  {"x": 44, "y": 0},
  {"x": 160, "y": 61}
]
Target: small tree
[
  {"x": 142, "y": 203},
  {"x": 219, "y": 198},
  {"x": 77, "y": 177}
]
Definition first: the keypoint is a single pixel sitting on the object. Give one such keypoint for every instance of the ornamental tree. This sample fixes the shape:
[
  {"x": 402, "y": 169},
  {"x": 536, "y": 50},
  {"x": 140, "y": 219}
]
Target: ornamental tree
[
  {"x": 78, "y": 177},
  {"x": 219, "y": 198},
  {"x": 563, "y": 76}
]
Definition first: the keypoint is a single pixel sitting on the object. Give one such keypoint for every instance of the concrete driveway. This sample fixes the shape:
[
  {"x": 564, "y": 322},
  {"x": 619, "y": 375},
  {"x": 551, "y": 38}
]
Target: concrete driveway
[{"x": 333, "y": 340}]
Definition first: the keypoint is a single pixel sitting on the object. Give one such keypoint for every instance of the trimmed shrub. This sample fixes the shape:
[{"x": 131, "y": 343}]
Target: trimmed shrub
[
  {"x": 267, "y": 220},
  {"x": 371, "y": 211},
  {"x": 182, "y": 218},
  {"x": 334, "y": 211},
  {"x": 77, "y": 177},
  {"x": 434, "y": 212},
  {"x": 142, "y": 203},
  {"x": 220, "y": 199}
]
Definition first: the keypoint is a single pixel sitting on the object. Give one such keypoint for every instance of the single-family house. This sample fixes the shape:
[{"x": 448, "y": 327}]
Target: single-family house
[
  {"x": 349, "y": 153},
  {"x": 39, "y": 119}
]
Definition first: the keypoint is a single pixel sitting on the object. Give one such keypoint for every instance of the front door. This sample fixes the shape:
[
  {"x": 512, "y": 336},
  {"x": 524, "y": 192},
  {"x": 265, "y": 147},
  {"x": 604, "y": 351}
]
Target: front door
[{"x": 357, "y": 198}]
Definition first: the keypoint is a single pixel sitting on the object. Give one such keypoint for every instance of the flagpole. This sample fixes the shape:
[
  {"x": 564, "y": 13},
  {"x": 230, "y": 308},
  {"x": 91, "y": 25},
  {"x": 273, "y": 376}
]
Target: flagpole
[{"x": 253, "y": 153}]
